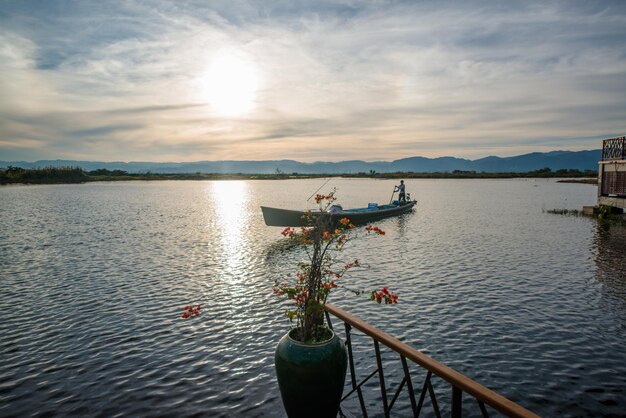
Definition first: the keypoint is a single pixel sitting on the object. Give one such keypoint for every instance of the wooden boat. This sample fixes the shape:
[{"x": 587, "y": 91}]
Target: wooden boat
[{"x": 286, "y": 217}]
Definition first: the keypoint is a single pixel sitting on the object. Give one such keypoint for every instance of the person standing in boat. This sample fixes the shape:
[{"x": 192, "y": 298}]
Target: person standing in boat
[{"x": 401, "y": 192}]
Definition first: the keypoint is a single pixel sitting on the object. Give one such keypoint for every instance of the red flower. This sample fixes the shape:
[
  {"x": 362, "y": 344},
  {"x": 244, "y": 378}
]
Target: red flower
[
  {"x": 190, "y": 311},
  {"x": 320, "y": 197},
  {"x": 288, "y": 232},
  {"x": 371, "y": 228},
  {"x": 384, "y": 295}
]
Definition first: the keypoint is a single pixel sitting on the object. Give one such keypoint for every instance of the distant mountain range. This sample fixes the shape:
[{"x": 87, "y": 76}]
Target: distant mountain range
[{"x": 554, "y": 160}]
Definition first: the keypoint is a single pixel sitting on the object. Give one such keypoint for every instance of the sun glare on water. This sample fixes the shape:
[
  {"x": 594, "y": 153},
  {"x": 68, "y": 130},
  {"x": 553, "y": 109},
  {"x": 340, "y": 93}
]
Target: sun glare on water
[
  {"x": 229, "y": 200},
  {"x": 230, "y": 83}
]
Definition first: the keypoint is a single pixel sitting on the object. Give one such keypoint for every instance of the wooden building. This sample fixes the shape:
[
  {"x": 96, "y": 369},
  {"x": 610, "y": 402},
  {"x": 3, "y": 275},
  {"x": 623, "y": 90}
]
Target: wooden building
[{"x": 612, "y": 173}]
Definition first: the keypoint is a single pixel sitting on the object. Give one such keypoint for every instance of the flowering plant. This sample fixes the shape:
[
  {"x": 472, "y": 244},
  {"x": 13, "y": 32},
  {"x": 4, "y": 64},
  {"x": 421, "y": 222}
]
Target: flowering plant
[
  {"x": 190, "y": 311},
  {"x": 322, "y": 239}
]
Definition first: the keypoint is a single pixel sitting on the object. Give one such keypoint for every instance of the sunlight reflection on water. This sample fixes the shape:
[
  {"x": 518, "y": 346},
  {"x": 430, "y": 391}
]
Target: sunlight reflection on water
[{"x": 231, "y": 218}]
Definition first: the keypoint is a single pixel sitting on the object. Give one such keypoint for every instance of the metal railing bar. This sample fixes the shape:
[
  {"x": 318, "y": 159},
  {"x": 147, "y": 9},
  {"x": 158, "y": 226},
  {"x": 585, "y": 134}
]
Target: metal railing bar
[
  {"x": 381, "y": 377},
  {"x": 393, "y": 400},
  {"x": 457, "y": 402},
  {"x": 433, "y": 399},
  {"x": 483, "y": 410},
  {"x": 478, "y": 391},
  {"x": 352, "y": 372},
  {"x": 330, "y": 324},
  {"x": 346, "y": 414},
  {"x": 409, "y": 384},
  {"x": 423, "y": 394},
  {"x": 341, "y": 413},
  {"x": 358, "y": 387}
]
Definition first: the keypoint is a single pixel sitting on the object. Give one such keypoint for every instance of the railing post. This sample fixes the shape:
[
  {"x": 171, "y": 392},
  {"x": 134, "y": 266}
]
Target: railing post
[
  {"x": 352, "y": 375},
  {"x": 381, "y": 377},
  {"x": 407, "y": 376},
  {"x": 457, "y": 402}
]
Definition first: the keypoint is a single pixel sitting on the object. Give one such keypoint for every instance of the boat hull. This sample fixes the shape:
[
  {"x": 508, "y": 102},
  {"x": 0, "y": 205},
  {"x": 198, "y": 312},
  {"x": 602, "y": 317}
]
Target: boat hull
[{"x": 286, "y": 217}]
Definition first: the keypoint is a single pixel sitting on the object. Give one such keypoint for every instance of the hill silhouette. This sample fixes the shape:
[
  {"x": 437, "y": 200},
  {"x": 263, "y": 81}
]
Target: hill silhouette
[{"x": 554, "y": 160}]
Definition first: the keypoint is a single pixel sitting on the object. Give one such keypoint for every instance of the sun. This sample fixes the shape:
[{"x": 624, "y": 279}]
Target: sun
[{"x": 230, "y": 83}]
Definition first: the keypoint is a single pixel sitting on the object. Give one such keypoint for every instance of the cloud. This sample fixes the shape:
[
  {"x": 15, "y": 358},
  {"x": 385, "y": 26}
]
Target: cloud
[{"x": 337, "y": 80}]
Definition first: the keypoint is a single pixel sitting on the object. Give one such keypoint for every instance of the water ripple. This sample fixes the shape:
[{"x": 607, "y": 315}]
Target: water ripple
[{"x": 94, "y": 277}]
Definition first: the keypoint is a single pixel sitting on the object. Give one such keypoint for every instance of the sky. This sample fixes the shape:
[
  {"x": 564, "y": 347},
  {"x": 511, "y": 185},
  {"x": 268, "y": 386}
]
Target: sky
[{"x": 154, "y": 80}]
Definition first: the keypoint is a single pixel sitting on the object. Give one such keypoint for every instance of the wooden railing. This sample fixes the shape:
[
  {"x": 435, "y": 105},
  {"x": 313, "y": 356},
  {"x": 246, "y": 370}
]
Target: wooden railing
[
  {"x": 614, "y": 149},
  {"x": 459, "y": 383}
]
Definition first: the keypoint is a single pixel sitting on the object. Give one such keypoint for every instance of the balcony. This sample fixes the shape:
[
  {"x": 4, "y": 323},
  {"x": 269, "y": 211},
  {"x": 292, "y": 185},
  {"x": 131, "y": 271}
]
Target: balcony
[
  {"x": 614, "y": 149},
  {"x": 612, "y": 173}
]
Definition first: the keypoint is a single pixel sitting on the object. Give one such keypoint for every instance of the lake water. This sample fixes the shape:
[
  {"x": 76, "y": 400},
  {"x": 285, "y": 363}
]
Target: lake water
[{"x": 94, "y": 278}]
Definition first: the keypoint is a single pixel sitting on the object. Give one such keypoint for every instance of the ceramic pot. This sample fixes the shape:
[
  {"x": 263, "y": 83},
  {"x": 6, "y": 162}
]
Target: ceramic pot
[{"x": 311, "y": 376}]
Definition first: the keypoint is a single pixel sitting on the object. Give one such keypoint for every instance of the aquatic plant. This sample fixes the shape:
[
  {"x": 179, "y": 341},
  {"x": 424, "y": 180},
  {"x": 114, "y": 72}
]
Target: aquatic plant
[
  {"x": 606, "y": 216},
  {"x": 568, "y": 212},
  {"x": 323, "y": 239}
]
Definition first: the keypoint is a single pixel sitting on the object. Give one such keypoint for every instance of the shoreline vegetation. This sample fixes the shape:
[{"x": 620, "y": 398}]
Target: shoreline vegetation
[
  {"x": 68, "y": 175},
  {"x": 607, "y": 215}
]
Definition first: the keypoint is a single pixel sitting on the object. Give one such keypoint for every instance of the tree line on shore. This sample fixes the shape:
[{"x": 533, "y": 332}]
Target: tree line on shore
[{"x": 52, "y": 175}]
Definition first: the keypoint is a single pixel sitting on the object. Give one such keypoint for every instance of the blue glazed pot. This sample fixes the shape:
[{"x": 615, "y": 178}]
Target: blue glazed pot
[{"x": 311, "y": 376}]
